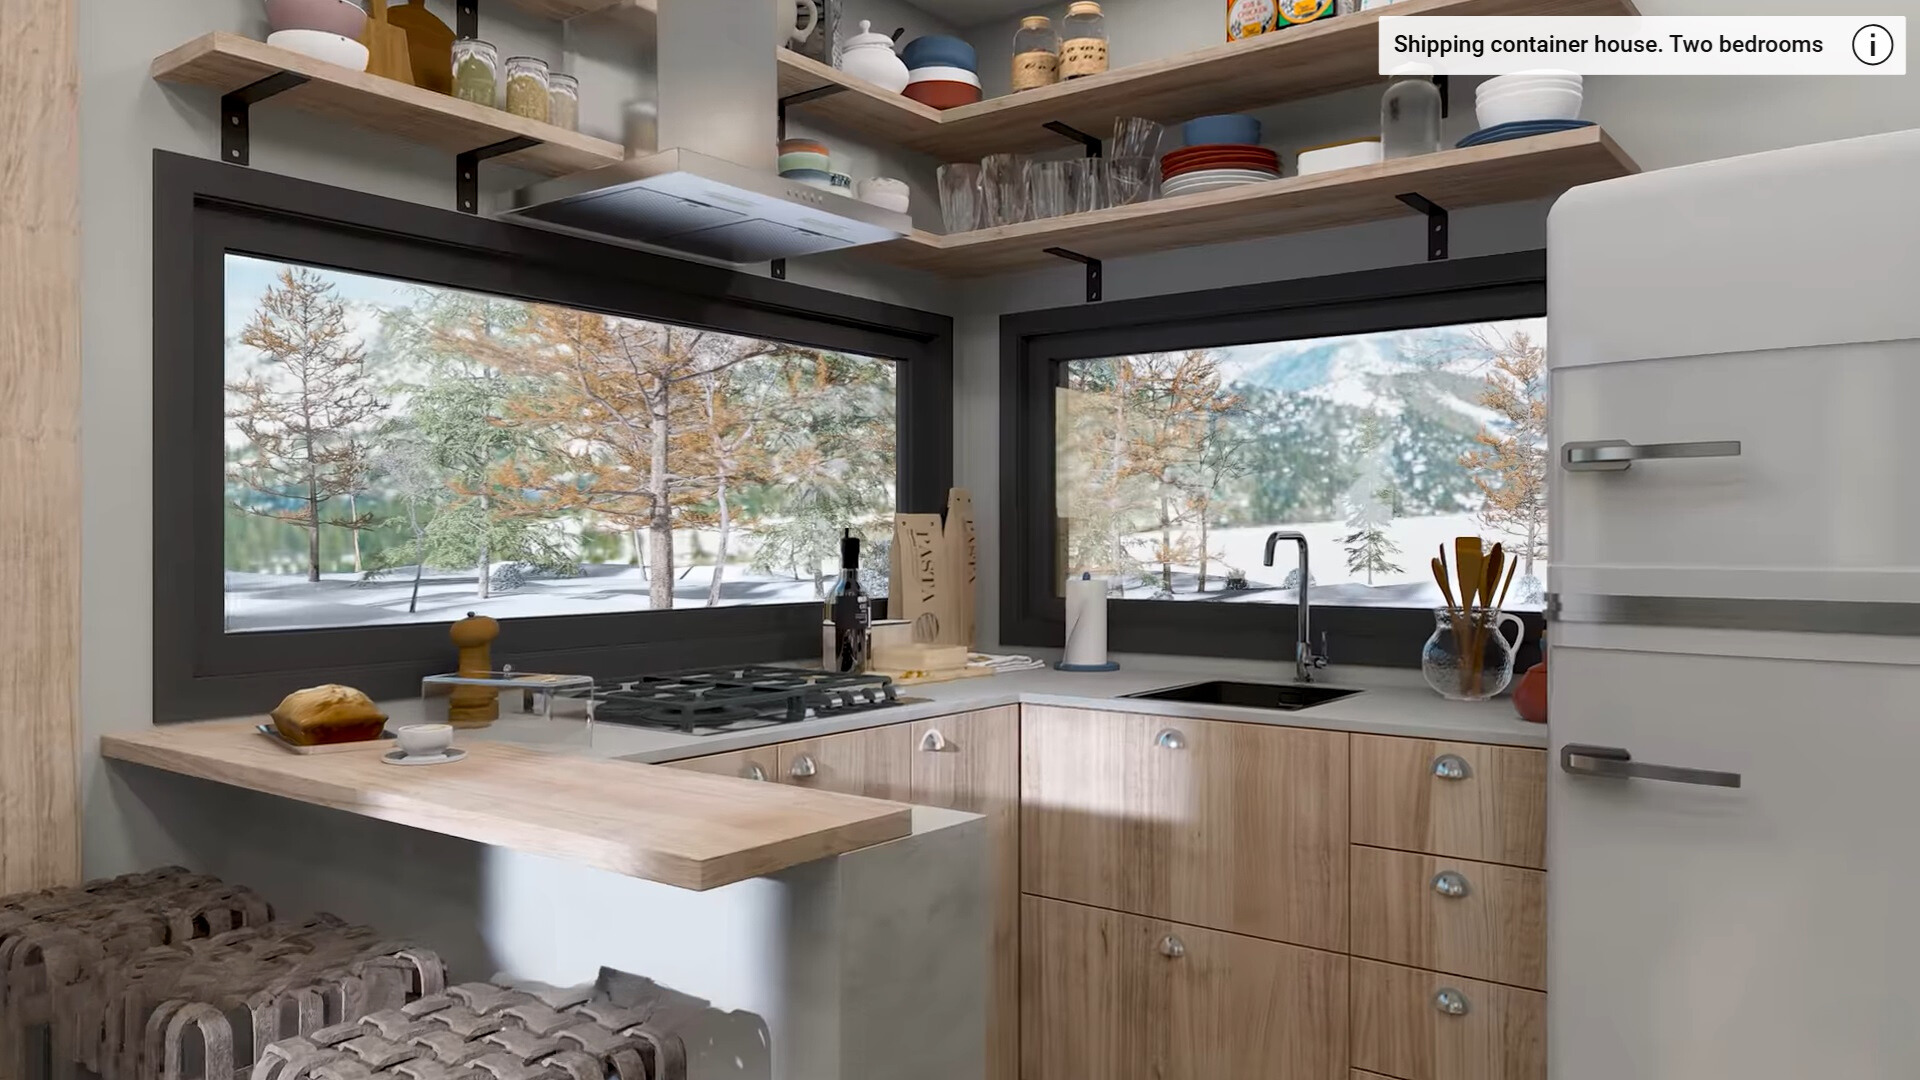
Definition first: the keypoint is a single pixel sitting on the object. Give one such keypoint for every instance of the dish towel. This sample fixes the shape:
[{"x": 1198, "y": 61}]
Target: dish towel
[{"x": 1001, "y": 664}]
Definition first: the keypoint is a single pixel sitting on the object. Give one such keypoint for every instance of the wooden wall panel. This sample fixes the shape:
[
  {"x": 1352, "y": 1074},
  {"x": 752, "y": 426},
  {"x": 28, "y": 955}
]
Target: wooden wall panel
[{"x": 39, "y": 447}]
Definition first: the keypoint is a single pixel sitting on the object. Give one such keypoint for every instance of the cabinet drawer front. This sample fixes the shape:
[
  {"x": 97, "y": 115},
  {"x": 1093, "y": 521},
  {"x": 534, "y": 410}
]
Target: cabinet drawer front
[
  {"x": 1468, "y": 918},
  {"x": 876, "y": 763},
  {"x": 1123, "y": 997},
  {"x": 759, "y": 763},
  {"x": 1466, "y": 800},
  {"x": 1403, "y": 1027},
  {"x": 1237, "y": 827}
]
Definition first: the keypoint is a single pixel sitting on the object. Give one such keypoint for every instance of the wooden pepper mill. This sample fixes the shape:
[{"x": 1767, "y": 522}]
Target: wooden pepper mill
[{"x": 474, "y": 706}]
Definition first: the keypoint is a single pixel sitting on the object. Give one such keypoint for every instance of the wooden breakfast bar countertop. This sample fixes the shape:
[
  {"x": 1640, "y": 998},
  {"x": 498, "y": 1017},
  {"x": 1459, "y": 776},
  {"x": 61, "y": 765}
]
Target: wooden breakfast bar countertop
[{"x": 674, "y": 826}]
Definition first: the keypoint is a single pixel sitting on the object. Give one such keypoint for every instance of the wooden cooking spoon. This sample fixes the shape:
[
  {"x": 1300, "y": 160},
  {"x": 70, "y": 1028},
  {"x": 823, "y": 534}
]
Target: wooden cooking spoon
[{"x": 1446, "y": 590}]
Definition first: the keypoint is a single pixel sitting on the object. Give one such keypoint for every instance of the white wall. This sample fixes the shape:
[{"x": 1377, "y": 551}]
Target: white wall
[
  {"x": 125, "y": 115},
  {"x": 1661, "y": 122}
]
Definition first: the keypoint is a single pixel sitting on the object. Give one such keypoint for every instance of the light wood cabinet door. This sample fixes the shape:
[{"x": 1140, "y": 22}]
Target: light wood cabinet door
[
  {"x": 1403, "y": 1027},
  {"x": 971, "y": 761},
  {"x": 1236, "y": 827},
  {"x": 759, "y": 763},
  {"x": 1466, "y": 800},
  {"x": 1477, "y": 919},
  {"x": 1121, "y": 997},
  {"x": 877, "y": 763}
]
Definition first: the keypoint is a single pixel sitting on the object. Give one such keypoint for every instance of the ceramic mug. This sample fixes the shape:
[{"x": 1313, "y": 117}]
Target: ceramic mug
[
  {"x": 425, "y": 740},
  {"x": 807, "y": 12}
]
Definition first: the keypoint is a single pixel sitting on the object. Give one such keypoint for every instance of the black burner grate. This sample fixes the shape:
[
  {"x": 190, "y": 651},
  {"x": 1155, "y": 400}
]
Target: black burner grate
[{"x": 736, "y": 698}]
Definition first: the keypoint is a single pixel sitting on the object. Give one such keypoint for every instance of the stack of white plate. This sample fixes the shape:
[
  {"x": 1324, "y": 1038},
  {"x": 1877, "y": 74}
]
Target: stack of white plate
[{"x": 1529, "y": 95}]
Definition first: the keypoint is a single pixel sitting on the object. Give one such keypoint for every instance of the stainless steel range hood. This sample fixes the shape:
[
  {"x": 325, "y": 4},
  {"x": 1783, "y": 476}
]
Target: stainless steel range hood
[{"x": 705, "y": 183}]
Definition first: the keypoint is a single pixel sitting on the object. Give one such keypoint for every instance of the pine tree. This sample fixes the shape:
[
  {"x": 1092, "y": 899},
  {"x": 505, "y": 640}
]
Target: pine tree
[
  {"x": 405, "y": 462},
  {"x": 302, "y": 410},
  {"x": 1369, "y": 549},
  {"x": 1510, "y": 464}
]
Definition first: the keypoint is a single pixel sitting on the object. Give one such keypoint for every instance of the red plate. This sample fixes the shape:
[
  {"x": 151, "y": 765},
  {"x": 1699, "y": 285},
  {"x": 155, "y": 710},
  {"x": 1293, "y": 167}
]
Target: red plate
[
  {"x": 1181, "y": 156},
  {"x": 1254, "y": 164}
]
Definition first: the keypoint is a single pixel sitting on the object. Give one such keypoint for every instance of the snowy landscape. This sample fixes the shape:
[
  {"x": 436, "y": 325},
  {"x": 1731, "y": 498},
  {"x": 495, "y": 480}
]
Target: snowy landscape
[
  {"x": 1173, "y": 468},
  {"x": 400, "y": 453}
]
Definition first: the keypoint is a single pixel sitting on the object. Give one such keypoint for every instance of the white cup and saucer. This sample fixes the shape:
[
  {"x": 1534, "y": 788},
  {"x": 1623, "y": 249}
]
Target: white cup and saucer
[{"x": 424, "y": 744}]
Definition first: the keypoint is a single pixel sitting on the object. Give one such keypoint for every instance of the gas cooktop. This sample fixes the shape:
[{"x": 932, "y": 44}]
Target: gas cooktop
[{"x": 710, "y": 701}]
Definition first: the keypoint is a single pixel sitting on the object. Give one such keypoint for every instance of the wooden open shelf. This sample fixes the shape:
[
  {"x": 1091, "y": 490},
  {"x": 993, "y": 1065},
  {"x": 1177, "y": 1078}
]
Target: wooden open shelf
[
  {"x": 227, "y": 62},
  {"x": 1305, "y": 61},
  {"x": 1455, "y": 179}
]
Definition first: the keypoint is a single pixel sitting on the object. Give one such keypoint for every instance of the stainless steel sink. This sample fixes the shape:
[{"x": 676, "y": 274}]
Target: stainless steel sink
[{"x": 1287, "y": 697}]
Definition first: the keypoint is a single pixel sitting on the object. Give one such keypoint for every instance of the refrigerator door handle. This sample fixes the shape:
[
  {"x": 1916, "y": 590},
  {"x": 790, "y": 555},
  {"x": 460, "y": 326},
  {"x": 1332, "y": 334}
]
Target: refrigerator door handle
[
  {"x": 1614, "y": 455},
  {"x": 1616, "y": 764}
]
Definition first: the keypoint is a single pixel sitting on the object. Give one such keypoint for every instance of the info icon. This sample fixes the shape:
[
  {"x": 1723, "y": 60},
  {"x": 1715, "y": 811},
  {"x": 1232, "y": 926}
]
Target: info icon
[{"x": 1873, "y": 45}]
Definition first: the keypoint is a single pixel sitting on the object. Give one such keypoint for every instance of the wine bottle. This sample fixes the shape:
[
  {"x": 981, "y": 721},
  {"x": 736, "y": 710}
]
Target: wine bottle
[{"x": 852, "y": 613}]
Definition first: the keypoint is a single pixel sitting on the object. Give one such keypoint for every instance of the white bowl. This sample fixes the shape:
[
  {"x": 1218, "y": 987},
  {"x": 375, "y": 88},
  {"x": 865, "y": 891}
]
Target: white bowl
[
  {"x": 1546, "y": 103},
  {"x": 320, "y": 45},
  {"x": 1345, "y": 156},
  {"x": 425, "y": 740},
  {"x": 898, "y": 203},
  {"x": 1489, "y": 90},
  {"x": 942, "y": 74},
  {"x": 1520, "y": 78}
]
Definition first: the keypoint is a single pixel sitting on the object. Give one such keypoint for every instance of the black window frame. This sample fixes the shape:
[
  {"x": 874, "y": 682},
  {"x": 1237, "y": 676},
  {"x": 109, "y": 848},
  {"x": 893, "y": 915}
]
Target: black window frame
[
  {"x": 205, "y": 209},
  {"x": 1034, "y": 347}
]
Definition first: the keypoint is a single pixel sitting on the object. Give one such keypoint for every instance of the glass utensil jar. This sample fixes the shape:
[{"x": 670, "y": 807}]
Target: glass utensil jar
[
  {"x": 529, "y": 92},
  {"x": 563, "y": 101},
  {"x": 476, "y": 72},
  {"x": 1410, "y": 113},
  {"x": 1036, "y": 54},
  {"x": 1469, "y": 658},
  {"x": 1003, "y": 179},
  {"x": 1084, "y": 50},
  {"x": 960, "y": 196}
]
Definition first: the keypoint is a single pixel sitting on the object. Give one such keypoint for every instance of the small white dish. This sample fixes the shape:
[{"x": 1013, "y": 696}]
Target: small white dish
[
  {"x": 942, "y": 74},
  {"x": 424, "y": 739},
  {"x": 401, "y": 757},
  {"x": 323, "y": 46},
  {"x": 1343, "y": 156}
]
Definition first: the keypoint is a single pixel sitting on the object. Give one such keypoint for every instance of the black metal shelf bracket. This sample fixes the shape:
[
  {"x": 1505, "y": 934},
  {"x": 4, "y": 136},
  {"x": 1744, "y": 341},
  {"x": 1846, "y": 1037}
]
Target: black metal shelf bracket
[
  {"x": 1437, "y": 225},
  {"x": 235, "y": 129},
  {"x": 802, "y": 98},
  {"x": 779, "y": 269},
  {"x": 466, "y": 18},
  {"x": 1091, "y": 142},
  {"x": 1093, "y": 270},
  {"x": 1444, "y": 85},
  {"x": 466, "y": 170}
]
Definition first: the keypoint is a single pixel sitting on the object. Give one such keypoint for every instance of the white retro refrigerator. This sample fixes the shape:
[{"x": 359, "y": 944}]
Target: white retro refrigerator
[{"x": 1735, "y": 352}]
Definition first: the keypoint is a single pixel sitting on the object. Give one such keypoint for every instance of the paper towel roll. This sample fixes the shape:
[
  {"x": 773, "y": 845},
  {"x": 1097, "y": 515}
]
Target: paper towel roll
[{"x": 1086, "y": 625}]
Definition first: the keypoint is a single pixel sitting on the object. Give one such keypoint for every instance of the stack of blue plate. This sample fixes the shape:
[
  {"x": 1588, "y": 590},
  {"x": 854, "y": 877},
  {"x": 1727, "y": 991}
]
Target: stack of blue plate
[{"x": 1520, "y": 129}]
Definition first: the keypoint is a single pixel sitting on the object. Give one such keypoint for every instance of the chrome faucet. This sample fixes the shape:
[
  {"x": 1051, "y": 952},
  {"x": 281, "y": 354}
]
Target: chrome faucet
[{"x": 1304, "y": 658}]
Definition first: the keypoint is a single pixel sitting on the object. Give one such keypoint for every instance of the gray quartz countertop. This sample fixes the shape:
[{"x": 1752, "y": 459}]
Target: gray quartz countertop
[{"x": 1391, "y": 703}]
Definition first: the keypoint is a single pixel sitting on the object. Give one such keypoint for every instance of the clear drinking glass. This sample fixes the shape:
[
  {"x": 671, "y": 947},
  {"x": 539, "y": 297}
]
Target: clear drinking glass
[
  {"x": 1086, "y": 185},
  {"x": 1410, "y": 114},
  {"x": 960, "y": 196},
  {"x": 1003, "y": 179},
  {"x": 1135, "y": 137},
  {"x": 1047, "y": 185},
  {"x": 1468, "y": 658},
  {"x": 1130, "y": 180}
]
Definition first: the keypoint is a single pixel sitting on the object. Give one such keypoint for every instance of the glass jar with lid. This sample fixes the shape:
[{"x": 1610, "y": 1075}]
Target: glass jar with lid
[
  {"x": 529, "y": 92},
  {"x": 476, "y": 72},
  {"x": 563, "y": 109},
  {"x": 1036, "y": 54},
  {"x": 1083, "y": 48}
]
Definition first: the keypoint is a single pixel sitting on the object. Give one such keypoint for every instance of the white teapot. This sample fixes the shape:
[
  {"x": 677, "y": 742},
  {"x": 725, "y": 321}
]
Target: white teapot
[{"x": 870, "y": 56}]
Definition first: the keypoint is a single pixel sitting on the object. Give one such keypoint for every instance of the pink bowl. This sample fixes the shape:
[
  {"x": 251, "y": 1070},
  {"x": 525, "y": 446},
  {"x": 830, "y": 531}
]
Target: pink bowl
[{"x": 343, "y": 17}]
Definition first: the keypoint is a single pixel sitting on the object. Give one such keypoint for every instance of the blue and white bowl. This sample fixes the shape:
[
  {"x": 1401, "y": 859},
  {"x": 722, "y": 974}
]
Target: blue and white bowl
[
  {"x": 1232, "y": 129},
  {"x": 939, "y": 50}
]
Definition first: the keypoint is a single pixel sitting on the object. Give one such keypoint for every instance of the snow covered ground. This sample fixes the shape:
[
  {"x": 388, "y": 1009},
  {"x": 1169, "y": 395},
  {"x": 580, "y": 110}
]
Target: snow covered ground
[
  {"x": 1419, "y": 540},
  {"x": 288, "y": 602}
]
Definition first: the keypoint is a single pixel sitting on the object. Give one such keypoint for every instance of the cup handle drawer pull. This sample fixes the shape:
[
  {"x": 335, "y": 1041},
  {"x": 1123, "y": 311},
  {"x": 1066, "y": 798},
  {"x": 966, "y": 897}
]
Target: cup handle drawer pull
[
  {"x": 1172, "y": 947},
  {"x": 803, "y": 767},
  {"x": 933, "y": 742},
  {"x": 753, "y": 772},
  {"x": 1614, "y": 455},
  {"x": 1169, "y": 739},
  {"x": 1452, "y": 1002},
  {"x": 1451, "y": 767},
  {"x": 1451, "y": 885}
]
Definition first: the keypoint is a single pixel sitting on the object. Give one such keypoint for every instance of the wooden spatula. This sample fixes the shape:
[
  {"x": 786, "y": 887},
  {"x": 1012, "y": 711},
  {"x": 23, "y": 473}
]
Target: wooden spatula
[
  {"x": 1490, "y": 579},
  {"x": 1468, "y": 565},
  {"x": 387, "y": 46}
]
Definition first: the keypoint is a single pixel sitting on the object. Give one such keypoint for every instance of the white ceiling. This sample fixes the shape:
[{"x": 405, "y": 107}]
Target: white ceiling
[{"x": 970, "y": 13}]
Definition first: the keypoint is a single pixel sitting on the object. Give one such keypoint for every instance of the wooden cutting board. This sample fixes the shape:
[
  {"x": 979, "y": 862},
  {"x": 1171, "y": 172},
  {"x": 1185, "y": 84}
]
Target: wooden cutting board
[
  {"x": 387, "y": 46},
  {"x": 429, "y": 45}
]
